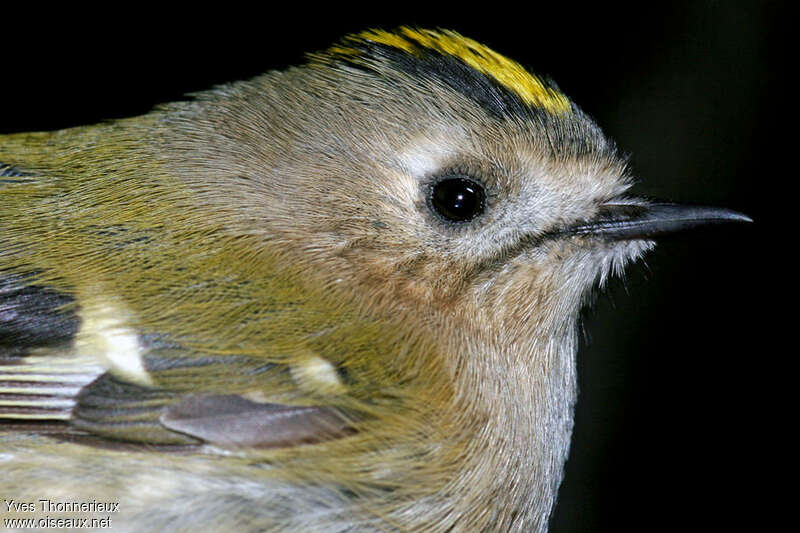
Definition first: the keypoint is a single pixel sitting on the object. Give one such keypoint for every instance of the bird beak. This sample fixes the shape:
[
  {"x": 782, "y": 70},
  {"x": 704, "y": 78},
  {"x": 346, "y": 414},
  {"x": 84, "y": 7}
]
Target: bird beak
[{"x": 647, "y": 220}]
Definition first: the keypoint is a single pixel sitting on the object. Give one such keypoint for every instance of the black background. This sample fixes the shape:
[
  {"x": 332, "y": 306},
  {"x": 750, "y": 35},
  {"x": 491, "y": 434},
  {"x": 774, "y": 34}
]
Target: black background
[{"x": 678, "y": 424}]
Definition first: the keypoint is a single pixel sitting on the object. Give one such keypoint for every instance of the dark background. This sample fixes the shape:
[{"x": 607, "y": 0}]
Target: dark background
[{"x": 678, "y": 425}]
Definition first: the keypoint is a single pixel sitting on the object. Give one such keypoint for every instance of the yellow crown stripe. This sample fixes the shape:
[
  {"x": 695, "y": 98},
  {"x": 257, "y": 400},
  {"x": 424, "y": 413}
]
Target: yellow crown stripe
[{"x": 510, "y": 74}]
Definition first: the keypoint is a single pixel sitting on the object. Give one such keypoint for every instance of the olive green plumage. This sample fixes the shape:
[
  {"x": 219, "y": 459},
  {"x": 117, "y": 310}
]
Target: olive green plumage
[{"x": 253, "y": 310}]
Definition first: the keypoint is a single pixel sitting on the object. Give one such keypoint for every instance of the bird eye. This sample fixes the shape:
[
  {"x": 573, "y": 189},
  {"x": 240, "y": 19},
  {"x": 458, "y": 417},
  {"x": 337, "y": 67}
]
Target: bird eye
[{"x": 458, "y": 199}]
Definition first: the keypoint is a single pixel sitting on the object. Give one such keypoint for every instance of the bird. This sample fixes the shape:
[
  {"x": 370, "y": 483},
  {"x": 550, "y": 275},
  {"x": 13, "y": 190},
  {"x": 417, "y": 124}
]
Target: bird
[{"x": 340, "y": 297}]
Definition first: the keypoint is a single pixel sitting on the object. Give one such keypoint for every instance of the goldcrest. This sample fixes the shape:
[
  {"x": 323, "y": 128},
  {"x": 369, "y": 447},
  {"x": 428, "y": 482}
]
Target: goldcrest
[{"x": 339, "y": 297}]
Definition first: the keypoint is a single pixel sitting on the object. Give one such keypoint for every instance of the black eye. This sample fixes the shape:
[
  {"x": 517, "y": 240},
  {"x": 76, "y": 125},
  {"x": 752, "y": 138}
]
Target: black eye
[{"x": 458, "y": 199}]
